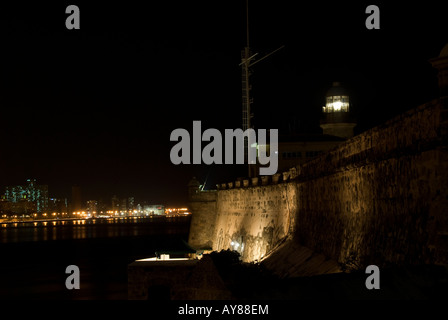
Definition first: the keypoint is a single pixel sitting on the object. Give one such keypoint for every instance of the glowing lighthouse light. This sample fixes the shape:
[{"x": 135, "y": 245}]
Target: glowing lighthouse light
[
  {"x": 337, "y": 105},
  {"x": 337, "y": 100}
]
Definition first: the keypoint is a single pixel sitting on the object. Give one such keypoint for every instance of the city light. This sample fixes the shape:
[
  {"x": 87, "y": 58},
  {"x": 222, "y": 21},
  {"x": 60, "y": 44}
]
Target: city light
[{"x": 176, "y": 211}]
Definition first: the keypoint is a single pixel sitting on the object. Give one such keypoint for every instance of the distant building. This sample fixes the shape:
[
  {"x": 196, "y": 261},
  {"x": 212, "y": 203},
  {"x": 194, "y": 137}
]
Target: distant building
[
  {"x": 27, "y": 198},
  {"x": 103, "y": 207},
  {"x": 92, "y": 207},
  {"x": 156, "y": 209},
  {"x": 21, "y": 207},
  {"x": 76, "y": 199},
  {"x": 115, "y": 204},
  {"x": 131, "y": 203},
  {"x": 123, "y": 205},
  {"x": 59, "y": 205}
]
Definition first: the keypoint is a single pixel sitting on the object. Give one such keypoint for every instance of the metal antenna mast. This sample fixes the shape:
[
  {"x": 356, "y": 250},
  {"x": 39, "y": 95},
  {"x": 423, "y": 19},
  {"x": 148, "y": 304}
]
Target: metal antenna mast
[{"x": 246, "y": 62}]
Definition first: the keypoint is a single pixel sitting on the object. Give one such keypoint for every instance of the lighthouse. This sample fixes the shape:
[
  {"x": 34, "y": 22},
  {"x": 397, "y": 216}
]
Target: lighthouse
[{"x": 337, "y": 119}]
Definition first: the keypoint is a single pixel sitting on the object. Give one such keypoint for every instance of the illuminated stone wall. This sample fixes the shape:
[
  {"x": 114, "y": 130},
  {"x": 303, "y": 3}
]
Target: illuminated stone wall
[
  {"x": 379, "y": 198},
  {"x": 253, "y": 220}
]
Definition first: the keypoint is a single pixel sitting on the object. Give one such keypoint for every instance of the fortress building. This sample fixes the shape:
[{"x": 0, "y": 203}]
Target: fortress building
[{"x": 379, "y": 197}]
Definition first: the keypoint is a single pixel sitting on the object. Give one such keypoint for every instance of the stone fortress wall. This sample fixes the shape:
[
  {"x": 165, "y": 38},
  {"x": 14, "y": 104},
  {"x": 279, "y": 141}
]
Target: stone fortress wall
[{"x": 379, "y": 198}]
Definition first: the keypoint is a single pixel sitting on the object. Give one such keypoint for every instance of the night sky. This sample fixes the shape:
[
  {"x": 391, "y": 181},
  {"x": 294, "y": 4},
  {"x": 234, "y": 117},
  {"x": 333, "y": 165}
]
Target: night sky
[{"x": 95, "y": 107}]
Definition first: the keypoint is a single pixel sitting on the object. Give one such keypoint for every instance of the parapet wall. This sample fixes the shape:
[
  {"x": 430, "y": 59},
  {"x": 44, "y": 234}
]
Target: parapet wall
[{"x": 379, "y": 198}]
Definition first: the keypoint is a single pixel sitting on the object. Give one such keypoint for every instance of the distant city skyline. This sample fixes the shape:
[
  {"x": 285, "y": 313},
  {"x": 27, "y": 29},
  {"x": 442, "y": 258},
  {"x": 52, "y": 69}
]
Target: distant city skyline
[{"x": 33, "y": 197}]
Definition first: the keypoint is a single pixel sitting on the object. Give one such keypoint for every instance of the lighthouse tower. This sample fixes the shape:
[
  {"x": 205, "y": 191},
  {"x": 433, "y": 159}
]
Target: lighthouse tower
[{"x": 337, "y": 120}]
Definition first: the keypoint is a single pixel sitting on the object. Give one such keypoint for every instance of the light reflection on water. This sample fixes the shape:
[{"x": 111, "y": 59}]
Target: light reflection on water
[{"x": 88, "y": 228}]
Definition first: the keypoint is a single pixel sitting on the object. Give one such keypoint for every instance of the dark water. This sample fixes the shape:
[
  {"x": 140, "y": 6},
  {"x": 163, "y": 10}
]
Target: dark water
[
  {"x": 89, "y": 228},
  {"x": 34, "y": 257}
]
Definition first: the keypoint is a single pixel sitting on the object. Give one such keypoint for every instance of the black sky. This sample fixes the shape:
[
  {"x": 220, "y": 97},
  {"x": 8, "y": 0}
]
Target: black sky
[{"x": 96, "y": 106}]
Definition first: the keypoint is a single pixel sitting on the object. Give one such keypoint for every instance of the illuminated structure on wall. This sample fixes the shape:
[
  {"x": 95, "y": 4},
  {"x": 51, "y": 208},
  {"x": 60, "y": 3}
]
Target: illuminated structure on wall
[{"x": 337, "y": 119}]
